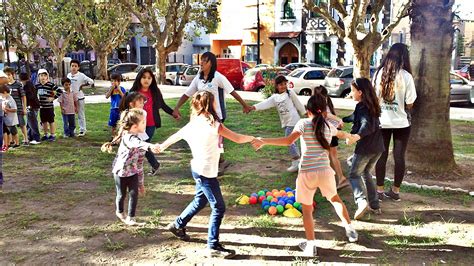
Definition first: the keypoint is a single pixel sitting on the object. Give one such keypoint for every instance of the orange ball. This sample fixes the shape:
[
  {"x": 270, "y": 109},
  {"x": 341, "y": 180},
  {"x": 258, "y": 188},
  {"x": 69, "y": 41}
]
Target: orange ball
[
  {"x": 274, "y": 190},
  {"x": 272, "y": 210},
  {"x": 282, "y": 192}
]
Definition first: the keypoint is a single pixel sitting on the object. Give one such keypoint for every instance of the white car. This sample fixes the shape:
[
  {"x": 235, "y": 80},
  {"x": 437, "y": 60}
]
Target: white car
[
  {"x": 172, "y": 71},
  {"x": 304, "y": 80},
  {"x": 133, "y": 74},
  {"x": 188, "y": 75}
]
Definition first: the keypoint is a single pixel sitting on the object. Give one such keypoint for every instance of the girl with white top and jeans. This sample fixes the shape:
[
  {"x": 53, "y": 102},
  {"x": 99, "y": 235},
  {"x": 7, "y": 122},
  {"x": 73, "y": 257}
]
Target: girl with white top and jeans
[
  {"x": 395, "y": 89},
  {"x": 289, "y": 109},
  {"x": 202, "y": 135}
]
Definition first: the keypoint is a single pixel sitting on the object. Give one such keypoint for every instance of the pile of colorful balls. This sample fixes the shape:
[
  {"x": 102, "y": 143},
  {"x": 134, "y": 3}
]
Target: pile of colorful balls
[{"x": 274, "y": 202}]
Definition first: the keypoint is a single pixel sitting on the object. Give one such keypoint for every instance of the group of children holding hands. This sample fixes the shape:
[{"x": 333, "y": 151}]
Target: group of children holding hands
[{"x": 318, "y": 134}]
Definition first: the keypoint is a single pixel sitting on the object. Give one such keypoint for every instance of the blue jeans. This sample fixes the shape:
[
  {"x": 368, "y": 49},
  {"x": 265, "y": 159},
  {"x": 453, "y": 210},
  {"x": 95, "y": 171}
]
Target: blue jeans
[
  {"x": 362, "y": 164},
  {"x": 293, "y": 148},
  {"x": 69, "y": 123},
  {"x": 149, "y": 155},
  {"x": 32, "y": 124},
  {"x": 207, "y": 190}
]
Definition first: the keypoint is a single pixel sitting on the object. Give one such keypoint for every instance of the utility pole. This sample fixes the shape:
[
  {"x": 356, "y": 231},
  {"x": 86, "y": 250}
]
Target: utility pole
[
  {"x": 258, "y": 32},
  {"x": 7, "y": 46}
]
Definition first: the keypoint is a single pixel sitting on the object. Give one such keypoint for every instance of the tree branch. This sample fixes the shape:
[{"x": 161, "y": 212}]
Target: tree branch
[
  {"x": 333, "y": 26},
  {"x": 374, "y": 19},
  {"x": 402, "y": 12},
  {"x": 339, "y": 8}
]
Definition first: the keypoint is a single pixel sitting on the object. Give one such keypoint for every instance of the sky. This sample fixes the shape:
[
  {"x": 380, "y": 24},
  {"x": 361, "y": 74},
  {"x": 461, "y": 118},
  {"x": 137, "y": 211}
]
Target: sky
[{"x": 466, "y": 8}]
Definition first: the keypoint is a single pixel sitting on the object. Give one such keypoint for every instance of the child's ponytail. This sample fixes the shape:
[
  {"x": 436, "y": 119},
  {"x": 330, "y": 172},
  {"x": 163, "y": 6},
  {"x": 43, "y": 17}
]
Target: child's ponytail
[
  {"x": 128, "y": 118},
  {"x": 317, "y": 106},
  {"x": 203, "y": 104}
]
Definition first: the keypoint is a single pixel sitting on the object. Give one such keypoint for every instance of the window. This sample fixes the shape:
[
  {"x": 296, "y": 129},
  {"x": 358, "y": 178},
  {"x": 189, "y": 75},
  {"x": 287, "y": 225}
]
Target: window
[
  {"x": 192, "y": 71},
  {"x": 296, "y": 73},
  {"x": 288, "y": 11},
  {"x": 251, "y": 53},
  {"x": 315, "y": 74}
]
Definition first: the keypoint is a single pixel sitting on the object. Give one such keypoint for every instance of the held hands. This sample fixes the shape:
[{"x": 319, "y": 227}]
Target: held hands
[
  {"x": 257, "y": 143},
  {"x": 352, "y": 138},
  {"x": 246, "y": 109},
  {"x": 141, "y": 190},
  {"x": 155, "y": 148},
  {"x": 176, "y": 114}
]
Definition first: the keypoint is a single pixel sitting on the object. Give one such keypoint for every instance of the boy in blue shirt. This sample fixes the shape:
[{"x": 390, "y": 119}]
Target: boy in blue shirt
[{"x": 116, "y": 93}]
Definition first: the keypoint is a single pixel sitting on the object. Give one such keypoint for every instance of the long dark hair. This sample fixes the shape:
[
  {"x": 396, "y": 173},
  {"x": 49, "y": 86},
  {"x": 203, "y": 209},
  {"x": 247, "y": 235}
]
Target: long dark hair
[
  {"x": 369, "y": 97},
  {"x": 317, "y": 106},
  {"x": 396, "y": 59},
  {"x": 211, "y": 58},
  {"x": 129, "y": 98},
  {"x": 323, "y": 91},
  {"x": 155, "y": 91}
]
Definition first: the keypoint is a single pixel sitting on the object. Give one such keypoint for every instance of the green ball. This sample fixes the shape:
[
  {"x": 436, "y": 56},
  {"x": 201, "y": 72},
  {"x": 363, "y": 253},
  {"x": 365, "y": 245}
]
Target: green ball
[
  {"x": 280, "y": 209},
  {"x": 269, "y": 198},
  {"x": 266, "y": 207},
  {"x": 261, "y": 193},
  {"x": 296, "y": 205}
]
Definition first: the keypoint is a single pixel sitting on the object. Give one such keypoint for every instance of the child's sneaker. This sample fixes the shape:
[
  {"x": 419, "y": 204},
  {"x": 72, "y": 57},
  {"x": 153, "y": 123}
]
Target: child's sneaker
[
  {"x": 362, "y": 208},
  {"x": 4, "y": 148},
  {"x": 44, "y": 138},
  {"x": 121, "y": 216},
  {"x": 154, "y": 171},
  {"x": 309, "y": 248},
  {"x": 26, "y": 143},
  {"x": 34, "y": 142},
  {"x": 380, "y": 195},
  {"x": 351, "y": 234},
  {"x": 219, "y": 251},
  {"x": 52, "y": 138},
  {"x": 178, "y": 232},
  {"x": 81, "y": 134},
  {"x": 294, "y": 166},
  {"x": 392, "y": 195},
  {"x": 132, "y": 221},
  {"x": 14, "y": 146}
]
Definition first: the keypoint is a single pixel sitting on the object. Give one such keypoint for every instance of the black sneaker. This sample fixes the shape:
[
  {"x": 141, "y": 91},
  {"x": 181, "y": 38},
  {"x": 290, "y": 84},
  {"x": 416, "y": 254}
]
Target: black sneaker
[
  {"x": 44, "y": 138},
  {"x": 380, "y": 195},
  {"x": 392, "y": 195},
  {"x": 154, "y": 171},
  {"x": 218, "y": 251},
  {"x": 178, "y": 232}
]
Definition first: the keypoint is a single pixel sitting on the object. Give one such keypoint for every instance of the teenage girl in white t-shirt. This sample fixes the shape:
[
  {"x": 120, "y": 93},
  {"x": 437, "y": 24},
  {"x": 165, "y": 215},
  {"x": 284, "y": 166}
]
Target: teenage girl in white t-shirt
[
  {"x": 395, "y": 89},
  {"x": 202, "y": 135}
]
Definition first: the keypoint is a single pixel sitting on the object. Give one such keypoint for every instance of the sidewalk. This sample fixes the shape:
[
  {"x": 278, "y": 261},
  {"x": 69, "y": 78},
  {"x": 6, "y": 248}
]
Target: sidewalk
[{"x": 456, "y": 113}]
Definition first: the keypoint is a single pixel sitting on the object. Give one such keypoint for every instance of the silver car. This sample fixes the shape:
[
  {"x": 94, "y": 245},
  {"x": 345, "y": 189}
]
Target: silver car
[
  {"x": 338, "y": 81},
  {"x": 462, "y": 91},
  {"x": 188, "y": 75}
]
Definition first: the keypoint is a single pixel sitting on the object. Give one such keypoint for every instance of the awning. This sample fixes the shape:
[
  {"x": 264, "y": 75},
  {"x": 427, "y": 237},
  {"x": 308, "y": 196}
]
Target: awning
[{"x": 284, "y": 35}]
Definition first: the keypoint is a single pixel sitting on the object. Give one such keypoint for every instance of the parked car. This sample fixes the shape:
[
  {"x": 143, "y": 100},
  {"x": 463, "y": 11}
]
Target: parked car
[
  {"x": 338, "y": 81},
  {"x": 121, "y": 68},
  {"x": 304, "y": 80},
  {"x": 233, "y": 69},
  {"x": 463, "y": 72},
  {"x": 87, "y": 67},
  {"x": 132, "y": 75},
  {"x": 462, "y": 91},
  {"x": 256, "y": 79},
  {"x": 113, "y": 61},
  {"x": 262, "y": 65},
  {"x": 171, "y": 72},
  {"x": 293, "y": 66},
  {"x": 188, "y": 75}
]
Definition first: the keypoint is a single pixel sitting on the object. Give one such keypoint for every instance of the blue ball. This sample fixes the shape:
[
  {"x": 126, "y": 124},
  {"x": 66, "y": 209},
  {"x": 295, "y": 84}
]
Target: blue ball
[
  {"x": 273, "y": 204},
  {"x": 282, "y": 203},
  {"x": 290, "y": 202},
  {"x": 287, "y": 189},
  {"x": 278, "y": 198},
  {"x": 265, "y": 202},
  {"x": 300, "y": 207},
  {"x": 254, "y": 195}
]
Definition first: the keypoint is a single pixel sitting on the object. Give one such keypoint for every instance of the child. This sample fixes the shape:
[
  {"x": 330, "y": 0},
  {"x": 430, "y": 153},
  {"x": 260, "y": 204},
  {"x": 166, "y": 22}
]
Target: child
[
  {"x": 128, "y": 164},
  {"x": 315, "y": 171},
  {"x": 288, "y": 107},
  {"x": 18, "y": 94},
  {"x": 47, "y": 92},
  {"x": 32, "y": 108},
  {"x": 132, "y": 100},
  {"x": 337, "y": 123},
  {"x": 3, "y": 81},
  {"x": 10, "y": 121},
  {"x": 68, "y": 103},
  {"x": 202, "y": 134},
  {"x": 79, "y": 80},
  {"x": 366, "y": 132},
  {"x": 115, "y": 93}
]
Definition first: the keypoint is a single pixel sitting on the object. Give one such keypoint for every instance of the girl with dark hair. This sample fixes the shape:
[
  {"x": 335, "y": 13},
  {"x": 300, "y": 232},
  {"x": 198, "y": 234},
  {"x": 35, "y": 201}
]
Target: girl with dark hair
[
  {"x": 146, "y": 85},
  {"x": 336, "y": 122},
  {"x": 209, "y": 79},
  {"x": 315, "y": 171},
  {"x": 366, "y": 132},
  {"x": 395, "y": 89}
]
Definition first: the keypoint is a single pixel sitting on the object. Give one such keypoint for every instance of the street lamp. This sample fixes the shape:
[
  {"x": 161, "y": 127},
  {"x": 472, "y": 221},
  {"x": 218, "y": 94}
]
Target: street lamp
[{"x": 258, "y": 32}]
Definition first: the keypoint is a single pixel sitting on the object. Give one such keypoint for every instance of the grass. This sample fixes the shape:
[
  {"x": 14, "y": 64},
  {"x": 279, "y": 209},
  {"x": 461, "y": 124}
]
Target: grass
[
  {"x": 412, "y": 241},
  {"x": 113, "y": 246},
  {"x": 410, "y": 220},
  {"x": 262, "y": 221}
]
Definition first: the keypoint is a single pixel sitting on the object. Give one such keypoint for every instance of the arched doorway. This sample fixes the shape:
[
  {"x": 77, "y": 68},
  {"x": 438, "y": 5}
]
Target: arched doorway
[{"x": 288, "y": 54}]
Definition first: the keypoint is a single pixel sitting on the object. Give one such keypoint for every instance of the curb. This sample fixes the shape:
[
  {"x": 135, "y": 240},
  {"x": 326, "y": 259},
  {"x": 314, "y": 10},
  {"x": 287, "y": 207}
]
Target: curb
[{"x": 433, "y": 187}]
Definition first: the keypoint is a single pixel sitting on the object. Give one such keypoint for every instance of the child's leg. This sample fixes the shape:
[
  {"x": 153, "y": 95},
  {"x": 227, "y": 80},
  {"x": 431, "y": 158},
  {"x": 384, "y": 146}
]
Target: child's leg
[
  {"x": 369, "y": 183},
  {"x": 212, "y": 191},
  {"x": 293, "y": 148},
  {"x": 198, "y": 203},
  {"x": 132, "y": 185},
  {"x": 65, "y": 125},
  {"x": 72, "y": 124},
  {"x": 359, "y": 163},
  {"x": 340, "y": 209},
  {"x": 16, "y": 137},
  {"x": 45, "y": 128},
  {"x": 336, "y": 164},
  {"x": 52, "y": 127},
  {"x": 308, "y": 222},
  {"x": 121, "y": 190},
  {"x": 380, "y": 167}
]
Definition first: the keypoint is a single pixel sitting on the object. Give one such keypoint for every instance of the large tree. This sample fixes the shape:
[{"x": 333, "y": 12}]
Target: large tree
[
  {"x": 166, "y": 23},
  {"x": 56, "y": 22},
  {"x": 352, "y": 30},
  {"x": 103, "y": 26},
  {"x": 21, "y": 31},
  {"x": 430, "y": 146}
]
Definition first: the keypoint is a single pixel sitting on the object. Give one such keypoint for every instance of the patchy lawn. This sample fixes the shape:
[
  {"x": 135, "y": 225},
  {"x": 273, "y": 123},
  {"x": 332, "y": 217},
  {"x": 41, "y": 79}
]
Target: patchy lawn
[{"x": 58, "y": 206}]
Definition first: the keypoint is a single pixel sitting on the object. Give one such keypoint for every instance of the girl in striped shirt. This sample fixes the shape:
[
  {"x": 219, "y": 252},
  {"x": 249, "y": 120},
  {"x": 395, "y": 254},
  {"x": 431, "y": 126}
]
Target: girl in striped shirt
[{"x": 315, "y": 171}]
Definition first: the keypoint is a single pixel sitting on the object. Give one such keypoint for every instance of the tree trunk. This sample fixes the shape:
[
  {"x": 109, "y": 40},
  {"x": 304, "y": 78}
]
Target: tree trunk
[
  {"x": 362, "y": 63},
  {"x": 59, "y": 63},
  {"x": 430, "y": 147},
  {"x": 161, "y": 66},
  {"x": 102, "y": 65},
  {"x": 341, "y": 46}
]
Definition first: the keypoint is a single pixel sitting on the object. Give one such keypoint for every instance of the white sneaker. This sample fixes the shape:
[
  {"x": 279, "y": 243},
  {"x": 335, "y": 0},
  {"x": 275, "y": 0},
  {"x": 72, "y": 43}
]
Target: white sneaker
[
  {"x": 132, "y": 221},
  {"x": 121, "y": 216},
  {"x": 294, "y": 166},
  {"x": 309, "y": 248},
  {"x": 34, "y": 142},
  {"x": 351, "y": 234},
  {"x": 81, "y": 134},
  {"x": 362, "y": 208}
]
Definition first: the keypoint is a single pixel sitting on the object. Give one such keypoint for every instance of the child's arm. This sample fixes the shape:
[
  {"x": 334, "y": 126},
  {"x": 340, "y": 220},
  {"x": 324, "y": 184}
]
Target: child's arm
[
  {"x": 170, "y": 141},
  {"x": 109, "y": 92},
  {"x": 266, "y": 104},
  {"x": 9, "y": 110},
  {"x": 285, "y": 141},
  {"x": 233, "y": 136},
  {"x": 336, "y": 118},
  {"x": 299, "y": 106}
]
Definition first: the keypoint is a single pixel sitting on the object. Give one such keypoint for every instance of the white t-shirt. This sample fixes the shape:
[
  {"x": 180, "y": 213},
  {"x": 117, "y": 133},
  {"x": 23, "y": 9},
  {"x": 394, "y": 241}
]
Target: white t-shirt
[
  {"x": 10, "y": 119},
  {"x": 394, "y": 114},
  {"x": 203, "y": 139},
  {"x": 77, "y": 80},
  {"x": 287, "y": 105},
  {"x": 219, "y": 81}
]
